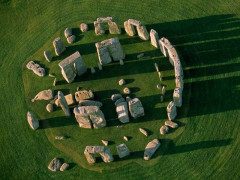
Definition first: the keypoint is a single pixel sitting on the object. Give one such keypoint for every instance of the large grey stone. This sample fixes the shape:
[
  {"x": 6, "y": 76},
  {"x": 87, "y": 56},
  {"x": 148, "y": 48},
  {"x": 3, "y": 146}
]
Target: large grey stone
[
  {"x": 105, "y": 154},
  {"x": 58, "y": 46},
  {"x": 63, "y": 103},
  {"x": 47, "y": 55},
  {"x": 36, "y": 68},
  {"x": 135, "y": 108},
  {"x": 151, "y": 148},
  {"x": 84, "y": 95},
  {"x": 71, "y": 39},
  {"x": 122, "y": 111},
  {"x": 68, "y": 32},
  {"x": 123, "y": 150},
  {"x": 119, "y": 101},
  {"x": 99, "y": 28},
  {"x": 32, "y": 121},
  {"x": 154, "y": 38},
  {"x": 44, "y": 95},
  {"x": 113, "y": 26},
  {"x": 141, "y": 29},
  {"x": 171, "y": 111},
  {"x": 55, "y": 165}
]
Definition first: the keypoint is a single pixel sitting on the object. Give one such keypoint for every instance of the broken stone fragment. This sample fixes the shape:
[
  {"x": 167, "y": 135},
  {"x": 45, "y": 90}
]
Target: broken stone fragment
[
  {"x": 49, "y": 107},
  {"x": 123, "y": 150},
  {"x": 84, "y": 27},
  {"x": 143, "y": 131},
  {"x": 126, "y": 90},
  {"x": 64, "y": 167},
  {"x": 105, "y": 142},
  {"x": 36, "y": 68},
  {"x": 84, "y": 95},
  {"x": 151, "y": 148},
  {"x": 164, "y": 129},
  {"x": 47, "y": 55},
  {"x": 55, "y": 165},
  {"x": 71, "y": 39},
  {"x": 44, "y": 95},
  {"x": 135, "y": 108},
  {"x": 115, "y": 97},
  {"x": 68, "y": 32},
  {"x": 122, "y": 111},
  {"x": 171, "y": 124},
  {"x": 32, "y": 121}
]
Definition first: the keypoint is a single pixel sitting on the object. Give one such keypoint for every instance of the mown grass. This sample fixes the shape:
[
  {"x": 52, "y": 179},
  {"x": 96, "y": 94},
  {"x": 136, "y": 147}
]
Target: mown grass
[{"x": 205, "y": 34}]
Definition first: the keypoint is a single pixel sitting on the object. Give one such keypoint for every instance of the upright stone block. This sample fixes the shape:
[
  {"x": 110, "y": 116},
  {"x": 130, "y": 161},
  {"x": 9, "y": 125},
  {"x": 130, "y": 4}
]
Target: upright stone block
[
  {"x": 58, "y": 46},
  {"x": 154, "y": 38}
]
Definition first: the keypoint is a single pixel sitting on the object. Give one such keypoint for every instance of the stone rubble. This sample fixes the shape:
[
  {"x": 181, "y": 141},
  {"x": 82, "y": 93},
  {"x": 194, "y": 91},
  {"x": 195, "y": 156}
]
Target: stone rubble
[
  {"x": 83, "y": 95},
  {"x": 36, "y": 68},
  {"x": 171, "y": 111}
]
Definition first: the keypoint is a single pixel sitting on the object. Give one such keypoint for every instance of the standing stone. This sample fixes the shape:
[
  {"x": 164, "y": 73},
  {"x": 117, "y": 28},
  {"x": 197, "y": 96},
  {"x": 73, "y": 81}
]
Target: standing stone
[
  {"x": 93, "y": 70},
  {"x": 44, "y": 95},
  {"x": 84, "y": 27},
  {"x": 47, "y": 55},
  {"x": 105, "y": 142},
  {"x": 154, "y": 38},
  {"x": 64, "y": 167},
  {"x": 171, "y": 111},
  {"x": 115, "y": 97},
  {"x": 49, "y": 107},
  {"x": 179, "y": 82},
  {"x": 129, "y": 29},
  {"x": 164, "y": 129},
  {"x": 63, "y": 103},
  {"x": 54, "y": 81},
  {"x": 99, "y": 66},
  {"x": 123, "y": 150},
  {"x": 177, "y": 97},
  {"x": 58, "y": 46},
  {"x": 163, "y": 90},
  {"x": 36, "y": 68},
  {"x": 121, "y": 62},
  {"x": 121, "y": 82},
  {"x": 55, "y": 165},
  {"x": 71, "y": 39},
  {"x": 151, "y": 148},
  {"x": 171, "y": 124},
  {"x": 99, "y": 28},
  {"x": 141, "y": 29},
  {"x": 143, "y": 131},
  {"x": 122, "y": 111},
  {"x": 103, "y": 54},
  {"x": 126, "y": 90},
  {"x": 113, "y": 26},
  {"x": 68, "y": 32},
  {"x": 135, "y": 108},
  {"x": 32, "y": 121}
]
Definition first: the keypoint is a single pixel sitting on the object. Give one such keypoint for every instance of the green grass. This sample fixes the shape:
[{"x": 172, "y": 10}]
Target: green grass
[{"x": 206, "y": 35}]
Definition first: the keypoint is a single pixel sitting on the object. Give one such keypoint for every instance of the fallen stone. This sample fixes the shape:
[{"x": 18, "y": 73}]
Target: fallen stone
[
  {"x": 49, "y": 107},
  {"x": 84, "y": 95},
  {"x": 36, "y": 68},
  {"x": 171, "y": 111},
  {"x": 60, "y": 137},
  {"x": 119, "y": 101},
  {"x": 93, "y": 70},
  {"x": 122, "y": 111},
  {"x": 55, "y": 82},
  {"x": 121, "y": 82},
  {"x": 125, "y": 138},
  {"x": 58, "y": 46},
  {"x": 143, "y": 131},
  {"x": 55, "y": 165},
  {"x": 84, "y": 27},
  {"x": 164, "y": 129},
  {"x": 122, "y": 150},
  {"x": 64, "y": 167},
  {"x": 70, "y": 99},
  {"x": 126, "y": 90},
  {"x": 105, "y": 154},
  {"x": 140, "y": 56},
  {"x": 151, "y": 148},
  {"x": 63, "y": 103},
  {"x": 171, "y": 124},
  {"x": 71, "y": 39},
  {"x": 47, "y": 55},
  {"x": 89, "y": 116},
  {"x": 154, "y": 38},
  {"x": 135, "y": 108},
  {"x": 44, "y": 95},
  {"x": 115, "y": 97},
  {"x": 32, "y": 121},
  {"x": 68, "y": 32},
  {"x": 105, "y": 142},
  {"x": 90, "y": 103}
]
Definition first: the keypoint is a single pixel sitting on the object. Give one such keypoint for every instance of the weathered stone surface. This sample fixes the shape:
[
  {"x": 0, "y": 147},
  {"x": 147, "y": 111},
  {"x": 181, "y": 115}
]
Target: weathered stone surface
[
  {"x": 32, "y": 121},
  {"x": 58, "y": 46},
  {"x": 55, "y": 165},
  {"x": 49, "y": 107},
  {"x": 151, "y": 148},
  {"x": 143, "y": 131},
  {"x": 99, "y": 66},
  {"x": 89, "y": 116},
  {"x": 163, "y": 90},
  {"x": 126, "y": 90},
  {"x": 128, "y": 99},
  {"x": 64, "y": 167},
  {"x": 171, "y": 111},
  {"x": 115, "y": 97},
  {"x": 113, "y": 26},
  {"x": 125, "y": 138},
  {"x": 90, "y": 103},
  {"x": 93, "y": 70},
  {"x": 71, "y": 39},
  {"x": 105, "y": 153},
  {"x": 177, "y": 97},
  {"x": 140, "y": 56},
  {"x": 141, "y": 29},
  {"x": 99, "y": 28},
  {"x": 71, "y": 66},
  {"x": 84, "y": 27},
  {"x": 164, "y": 129},
  {"x": 44, "y": 95},
  {"x": 54, "y": 81},
  {"x": 135, "y": 108},
  {"x": 109, "y": 48},
  {"x": 68, "y": 32},
  {"x": 47, "y": 55},
  {"x": 60, "y": 137},
  {"x": 105, "y": 142},
  {"x": 36, "y": 68},
  {"x": 119, "y": 101},
  {"x": 179, "y": 82},
  {"x": 171, "y": 124},
  {"x": 122, "y": 111},
  {"x": 154, "y": 38},
  {"x": 164, "y": 45},
  {"x": 70, "y": 99},
  {"x": 129, "y": 28},
  {"x": 84, "y": 95},
  {"x": 63, "y": 103},
  {"x": 121, "y": 82},
  {"x": 122, "y": 150}
]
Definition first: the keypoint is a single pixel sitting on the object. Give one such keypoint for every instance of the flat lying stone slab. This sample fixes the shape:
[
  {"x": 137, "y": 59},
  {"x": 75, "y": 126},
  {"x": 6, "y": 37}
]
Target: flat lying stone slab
[
  {"x": 36, "y": 68},
  {"x": 84, "y": 95},
  {"x": 143, "y": 131},
  {"x": 171, "y": 124},
  {"x": 151, "y": 148}
]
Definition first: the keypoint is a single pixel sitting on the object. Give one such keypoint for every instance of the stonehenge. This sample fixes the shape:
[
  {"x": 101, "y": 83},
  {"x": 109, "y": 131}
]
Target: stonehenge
[
  {"x": 68, "y": 32},
  {"x": 32, "y": 121},
  {"x": 109, "y": 49},
  {"x": 141, "y": 29},
  {"x": 58, "y": 46},
  {"x": 113, "y": 26},
  {"x": 63, "y": 103},
  {"x": 171, "y": 111},
  {"x": 36, "y": 68},
  {"x": 151, "y": 148},
  {"x": 89, "y": 117},
  {"x": 135, "y": 108},
  {"x": 44, "y": 95},
  {"x": 71, "y": 66},
  {"x": 154, "y": 38},
  {"x": 121, "y": 82},
  {"x": 105, "y": 154},
  {"x": 122, "y": 150}
]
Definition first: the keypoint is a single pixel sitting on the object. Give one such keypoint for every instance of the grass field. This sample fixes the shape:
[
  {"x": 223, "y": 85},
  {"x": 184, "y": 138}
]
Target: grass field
[{"x": 206, "y": 35}]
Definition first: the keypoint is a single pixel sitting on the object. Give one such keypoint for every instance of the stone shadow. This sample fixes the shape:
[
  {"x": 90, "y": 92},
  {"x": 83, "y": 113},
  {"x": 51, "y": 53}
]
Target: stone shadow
[{"x": 57, "y": 122}]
